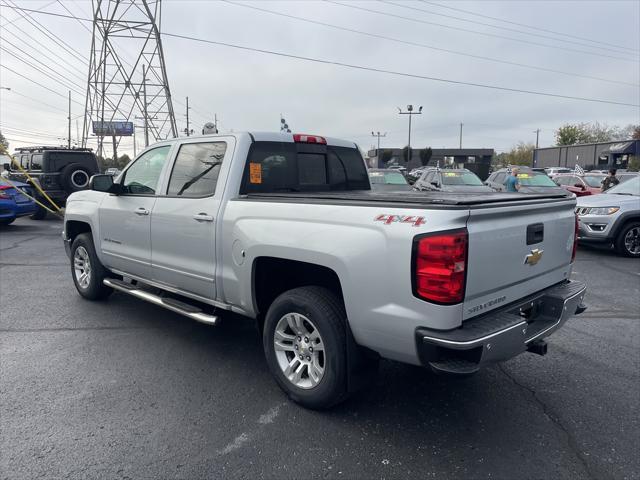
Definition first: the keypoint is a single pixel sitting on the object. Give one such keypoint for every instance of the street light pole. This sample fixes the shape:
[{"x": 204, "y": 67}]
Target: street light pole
[
  {"x": 461, "y": 124},
  {"x": 537, "y": 132},
  {"x": 378, "y": 134},
  {"x": 69, "y": 121},
  {"x": 411, "y": 113}
]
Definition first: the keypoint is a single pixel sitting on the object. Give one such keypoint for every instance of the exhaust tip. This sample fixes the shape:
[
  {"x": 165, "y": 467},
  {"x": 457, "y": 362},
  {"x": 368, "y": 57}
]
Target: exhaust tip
[{"x": 539, "y": 347}]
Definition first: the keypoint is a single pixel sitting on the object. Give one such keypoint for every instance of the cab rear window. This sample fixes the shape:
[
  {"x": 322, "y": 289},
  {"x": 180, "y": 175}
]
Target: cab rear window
[{"x": 293, "y": 167}]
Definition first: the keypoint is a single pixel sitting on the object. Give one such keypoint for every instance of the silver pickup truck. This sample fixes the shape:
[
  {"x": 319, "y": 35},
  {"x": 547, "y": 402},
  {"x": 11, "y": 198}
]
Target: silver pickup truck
[{"x": 285, "y": 229}]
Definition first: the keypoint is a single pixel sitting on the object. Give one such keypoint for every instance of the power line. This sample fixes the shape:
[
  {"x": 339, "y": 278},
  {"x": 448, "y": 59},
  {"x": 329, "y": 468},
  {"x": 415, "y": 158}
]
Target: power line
[
  {"x": 402, "y": 74},
  {"x": 371, "y": 69},
  {"x": 525, "y": 25},
  {"x": 39, "y": 69},
  {"x": 423, "y": 45},
  {"x": 39, "y": 84},
  {"x": 425, "y": 22},
  {"x": 616, "y": 50},
  {"x": 52, "y": 36}
]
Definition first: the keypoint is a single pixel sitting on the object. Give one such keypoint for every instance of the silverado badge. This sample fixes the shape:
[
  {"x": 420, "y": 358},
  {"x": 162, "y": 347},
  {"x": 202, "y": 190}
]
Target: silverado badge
[{"x": 534, "y": 257}]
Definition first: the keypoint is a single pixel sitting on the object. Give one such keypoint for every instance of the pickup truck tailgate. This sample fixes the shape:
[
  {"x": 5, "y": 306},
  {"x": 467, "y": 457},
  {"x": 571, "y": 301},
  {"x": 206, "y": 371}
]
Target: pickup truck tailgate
[{"x": 517, "y": 250}]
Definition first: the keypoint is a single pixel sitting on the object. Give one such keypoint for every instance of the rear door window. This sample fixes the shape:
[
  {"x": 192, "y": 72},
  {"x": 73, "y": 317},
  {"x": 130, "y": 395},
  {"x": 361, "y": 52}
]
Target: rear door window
[
  {"x": 24, "y": 162},
  {"x": 36, "y": 161},
  {"x": 195, "y": 172}
]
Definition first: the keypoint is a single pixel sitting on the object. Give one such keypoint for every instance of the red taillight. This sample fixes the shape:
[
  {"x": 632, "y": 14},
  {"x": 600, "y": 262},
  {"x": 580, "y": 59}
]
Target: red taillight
[
  {"x": 3, "y": 195},
  {"x": 304, "y": 138},
  {"x": 576, "y": 230},
  {"x": 440, "y": 263}
]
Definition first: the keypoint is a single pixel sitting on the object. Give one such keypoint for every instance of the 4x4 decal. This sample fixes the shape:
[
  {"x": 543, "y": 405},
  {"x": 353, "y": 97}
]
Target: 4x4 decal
[{"x": 389, "y": 219}]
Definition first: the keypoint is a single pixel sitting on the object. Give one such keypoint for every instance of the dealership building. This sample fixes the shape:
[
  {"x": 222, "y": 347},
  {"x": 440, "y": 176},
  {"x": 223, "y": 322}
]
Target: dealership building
[
  {"x": 592, "y": 155},
  {"x": 478, "y": 160}
]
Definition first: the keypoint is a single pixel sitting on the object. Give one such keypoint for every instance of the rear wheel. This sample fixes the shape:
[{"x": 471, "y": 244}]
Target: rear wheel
[
  {"x": 305, "y": 345},
  {"x": 40, "y": 213},
  {"x": 628, "y": 240},
  {"x": 86, "y": 269}
]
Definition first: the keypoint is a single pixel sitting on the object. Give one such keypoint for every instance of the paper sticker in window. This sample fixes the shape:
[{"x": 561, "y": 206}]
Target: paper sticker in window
[{"x": 255, "y": 172}]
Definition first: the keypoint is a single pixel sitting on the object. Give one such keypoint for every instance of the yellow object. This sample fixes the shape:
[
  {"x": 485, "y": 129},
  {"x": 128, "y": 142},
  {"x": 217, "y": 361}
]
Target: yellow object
[
  {"x": 22, "y": 192},
  {"x": 37, "y": 187}
]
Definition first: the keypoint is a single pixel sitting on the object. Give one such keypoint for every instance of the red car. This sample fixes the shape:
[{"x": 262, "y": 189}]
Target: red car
[{"x": 581, "y": 185}]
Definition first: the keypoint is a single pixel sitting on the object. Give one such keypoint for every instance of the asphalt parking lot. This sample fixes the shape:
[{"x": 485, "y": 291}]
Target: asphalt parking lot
[{"x": 124, "y": 389}]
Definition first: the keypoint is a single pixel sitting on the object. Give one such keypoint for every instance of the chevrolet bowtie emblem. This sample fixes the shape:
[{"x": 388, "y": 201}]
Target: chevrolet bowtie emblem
[{"x": 534, "y": 257}]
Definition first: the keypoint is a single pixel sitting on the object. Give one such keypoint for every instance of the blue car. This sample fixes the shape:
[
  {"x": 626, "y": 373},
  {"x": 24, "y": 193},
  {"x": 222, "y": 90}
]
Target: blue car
[{"x": 13, "y": 203}]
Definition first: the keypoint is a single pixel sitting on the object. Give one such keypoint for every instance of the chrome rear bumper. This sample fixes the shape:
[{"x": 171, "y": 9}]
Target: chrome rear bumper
[{"x": 500, "y": 335}]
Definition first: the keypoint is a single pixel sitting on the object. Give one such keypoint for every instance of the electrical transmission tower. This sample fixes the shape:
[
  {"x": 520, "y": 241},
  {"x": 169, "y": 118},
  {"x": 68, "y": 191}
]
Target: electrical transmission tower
[{"x": 127, "y": 73}]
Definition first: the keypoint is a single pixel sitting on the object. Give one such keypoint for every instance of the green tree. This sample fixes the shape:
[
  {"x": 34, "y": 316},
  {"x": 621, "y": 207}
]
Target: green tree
[
  {"x": 4, "y": 145},
  {"x": 521, "y": 154},
  {"x": 406, "y": 154},
  {"x": 570, "y": 134},
  {"x": 425, "y": 156},
  {"x": 635, "y": 134}
]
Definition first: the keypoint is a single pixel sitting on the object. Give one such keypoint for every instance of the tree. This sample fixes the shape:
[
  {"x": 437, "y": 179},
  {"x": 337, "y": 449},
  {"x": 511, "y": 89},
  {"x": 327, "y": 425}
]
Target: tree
[
  {"x": 521, "y": 154},
  {"x": 636, "y": 132},
  {"x": 572, "y": 134},
  {"x": 406, "y": 154},
  {"x": 425, "y": 156},
  {"x": 4, "y": 145}
]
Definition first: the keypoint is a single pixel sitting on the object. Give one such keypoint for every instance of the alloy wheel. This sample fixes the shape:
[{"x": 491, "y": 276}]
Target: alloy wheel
[{"x": 299, "y": 350}]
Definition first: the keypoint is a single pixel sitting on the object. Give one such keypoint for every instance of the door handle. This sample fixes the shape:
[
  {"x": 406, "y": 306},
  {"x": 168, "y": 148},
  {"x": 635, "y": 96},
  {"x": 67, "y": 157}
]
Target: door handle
[
  {"x": 141, "y": 211},
  {"x": 202, "y": 217}
]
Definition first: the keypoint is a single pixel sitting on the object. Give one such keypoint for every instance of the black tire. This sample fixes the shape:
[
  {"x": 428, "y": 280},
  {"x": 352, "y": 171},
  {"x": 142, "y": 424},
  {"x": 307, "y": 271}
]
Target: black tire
[
  {"x": 75, "y": 177},
  {"x": 94, "y": 289},
  {"x": 327, "y": 313},
  {"x": 7, "y": 221},
  {"x": 40, "y": 213},
  {"x": 620, "y": 243}
]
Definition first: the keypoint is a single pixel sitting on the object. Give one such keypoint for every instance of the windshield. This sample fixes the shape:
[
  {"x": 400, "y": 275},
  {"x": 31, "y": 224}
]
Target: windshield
[
  {"x": 461, "y": 178},
  {"x": 630, "y": 187},
  {"x": 535, "y": 179},
  {"x": 389, "y": 178},
  {"x": 594, "y": 180}
]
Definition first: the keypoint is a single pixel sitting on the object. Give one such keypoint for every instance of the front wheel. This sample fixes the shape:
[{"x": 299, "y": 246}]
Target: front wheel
[
  {"x": 628, "y": 240},
  {"x": 86, "y": 269},
  {"x": 305, "y": 344}
]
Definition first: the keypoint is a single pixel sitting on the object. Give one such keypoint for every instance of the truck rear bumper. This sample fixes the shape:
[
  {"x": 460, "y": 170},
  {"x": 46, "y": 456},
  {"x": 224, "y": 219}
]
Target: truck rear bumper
[{"x": 500, "y": 335}]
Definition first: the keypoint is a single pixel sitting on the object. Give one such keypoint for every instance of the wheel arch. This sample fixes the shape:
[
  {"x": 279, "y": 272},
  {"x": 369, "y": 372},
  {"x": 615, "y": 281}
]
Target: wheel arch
[{"x": 272, "y": 276}]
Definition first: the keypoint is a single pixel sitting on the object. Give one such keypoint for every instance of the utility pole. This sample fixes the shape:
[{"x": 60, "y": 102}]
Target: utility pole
[
  {"x": 187, "y": 129},
  {"x": 411, "y": 113},
  {"x": 144, "y": 100},
  {"x": 378, "y": 134},
  {"x": 535, "y": 152},
  {"x": 461, "y": 124},
  {"x": 69, "y": 122}
]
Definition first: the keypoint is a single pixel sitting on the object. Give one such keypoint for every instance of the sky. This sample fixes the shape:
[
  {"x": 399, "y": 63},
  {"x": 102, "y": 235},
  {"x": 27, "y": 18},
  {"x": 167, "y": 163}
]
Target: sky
[{"x": 248, "y": 90}]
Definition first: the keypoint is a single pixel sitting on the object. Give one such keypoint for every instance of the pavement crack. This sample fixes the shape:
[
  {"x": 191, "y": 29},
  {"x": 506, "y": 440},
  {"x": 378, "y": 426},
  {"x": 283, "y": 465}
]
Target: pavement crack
[
  {"x": 571, "y": 442},
  {"x": 18, "y": 243}
]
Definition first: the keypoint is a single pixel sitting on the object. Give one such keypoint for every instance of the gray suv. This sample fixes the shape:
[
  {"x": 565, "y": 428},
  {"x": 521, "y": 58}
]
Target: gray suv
[{"x": 613, "y": 217}]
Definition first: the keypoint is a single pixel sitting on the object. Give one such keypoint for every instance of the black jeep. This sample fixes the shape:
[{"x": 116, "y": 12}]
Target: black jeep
[{"x": 59, "y": 171}]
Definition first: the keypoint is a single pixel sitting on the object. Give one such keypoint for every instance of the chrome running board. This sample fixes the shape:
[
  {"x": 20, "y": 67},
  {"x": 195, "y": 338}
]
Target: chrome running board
[{"x": 174, "y": 305}]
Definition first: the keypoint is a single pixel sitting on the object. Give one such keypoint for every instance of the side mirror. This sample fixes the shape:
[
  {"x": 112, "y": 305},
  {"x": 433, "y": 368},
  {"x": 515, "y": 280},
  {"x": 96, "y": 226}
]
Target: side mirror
[
  {"x": 101, "y": 183},
  {"x": 579, "y": 185},
  {"x": 435, "y": 184},
  {"x": 6, "y": 166}
]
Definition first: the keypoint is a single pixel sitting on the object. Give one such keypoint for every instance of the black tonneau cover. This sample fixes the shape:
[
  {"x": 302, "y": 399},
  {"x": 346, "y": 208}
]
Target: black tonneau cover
[{"x": 407, "y": 199}]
